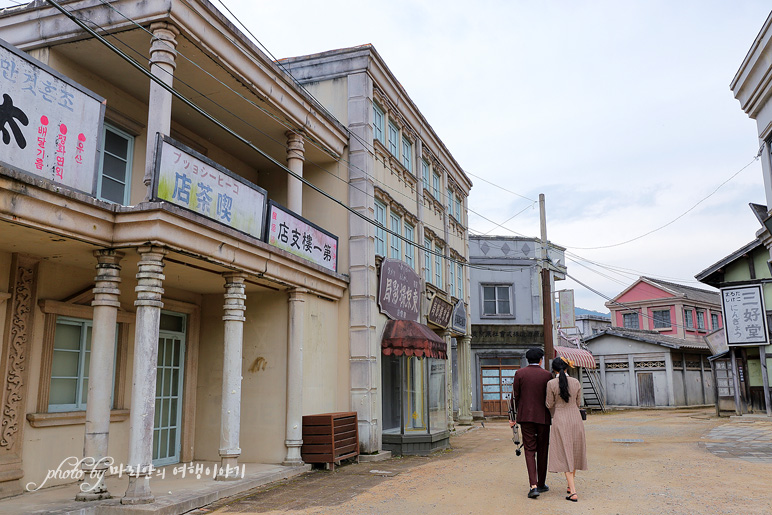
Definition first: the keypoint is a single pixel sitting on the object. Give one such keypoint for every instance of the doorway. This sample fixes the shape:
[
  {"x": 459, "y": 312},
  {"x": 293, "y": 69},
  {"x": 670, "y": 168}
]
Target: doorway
[
  {"x": 168, "y": 392},
  {"x": 646, "y": 389},
  {"x": 496, "y": 387}
]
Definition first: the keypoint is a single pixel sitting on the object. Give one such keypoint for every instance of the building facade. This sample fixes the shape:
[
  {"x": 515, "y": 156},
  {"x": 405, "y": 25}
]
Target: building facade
[{"x": 506, "y": 313}]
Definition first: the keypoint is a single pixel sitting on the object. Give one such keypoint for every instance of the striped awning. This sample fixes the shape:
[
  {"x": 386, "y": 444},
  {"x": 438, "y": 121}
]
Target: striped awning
[{"x": 580, "y": 357}]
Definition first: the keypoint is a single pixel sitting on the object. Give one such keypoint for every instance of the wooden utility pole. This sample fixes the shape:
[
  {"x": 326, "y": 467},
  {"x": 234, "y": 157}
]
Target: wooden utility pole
[{"x": 546, "y": 290}]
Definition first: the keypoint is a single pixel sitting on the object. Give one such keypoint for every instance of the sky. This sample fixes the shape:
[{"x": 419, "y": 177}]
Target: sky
[{"x": 619, "y": 112}]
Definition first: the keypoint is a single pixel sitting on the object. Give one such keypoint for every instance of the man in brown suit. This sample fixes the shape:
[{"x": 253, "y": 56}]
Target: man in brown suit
[{"x": 529, "y": 389}]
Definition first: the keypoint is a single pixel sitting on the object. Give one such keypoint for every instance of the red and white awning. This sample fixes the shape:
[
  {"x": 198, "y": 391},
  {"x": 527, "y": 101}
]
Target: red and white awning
[{"x": 580, "y": 357}]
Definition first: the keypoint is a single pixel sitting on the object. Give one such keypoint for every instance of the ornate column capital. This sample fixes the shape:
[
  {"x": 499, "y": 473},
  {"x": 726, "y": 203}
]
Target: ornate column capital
[
  {"x": 106, "y": 283},
  {"x": 235, "y": 299},
  {"x": 295, "y": 146},
  {"x": 163, "y": 48},
  {"x": 150, "y": 276}
]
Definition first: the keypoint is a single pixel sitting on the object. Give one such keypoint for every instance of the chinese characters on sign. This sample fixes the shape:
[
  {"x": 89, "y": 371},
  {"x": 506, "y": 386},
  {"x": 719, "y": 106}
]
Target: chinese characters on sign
[
  {"x": 439, "y": 312},
  {"x": 50, "y": 125},
  {"x": 300, "y": 237},
  {"x": 190, "y": 180},
  {"x": 744, "y": 316},
  {"x": 508, "y": 334},
  {"x": 459, "y": 318},
  {"x": 399, "y": 291}
]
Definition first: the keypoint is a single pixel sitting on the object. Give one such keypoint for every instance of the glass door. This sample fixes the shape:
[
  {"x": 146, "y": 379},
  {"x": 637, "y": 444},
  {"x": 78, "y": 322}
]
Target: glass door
[{"x": 168, "y": 392}]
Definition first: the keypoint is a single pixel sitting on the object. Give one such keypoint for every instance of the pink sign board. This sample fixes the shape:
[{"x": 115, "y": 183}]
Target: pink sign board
[{"x": 298, "y": 236}]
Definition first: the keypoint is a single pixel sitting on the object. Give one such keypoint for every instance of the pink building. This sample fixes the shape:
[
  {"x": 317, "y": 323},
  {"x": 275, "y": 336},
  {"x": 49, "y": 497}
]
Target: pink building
[{"x": 668, "y": 308}]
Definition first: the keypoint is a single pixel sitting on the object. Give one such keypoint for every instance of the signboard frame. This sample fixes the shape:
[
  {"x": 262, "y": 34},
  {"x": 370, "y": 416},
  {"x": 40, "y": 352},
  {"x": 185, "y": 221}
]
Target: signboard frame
[
  {"x": 275, "y": 205},
  {"x": 161, "y": 139},
  {"x": 98, "y": 139},
  {"x": 731, "y": 340},
  {"x": 386, "y": 265}
]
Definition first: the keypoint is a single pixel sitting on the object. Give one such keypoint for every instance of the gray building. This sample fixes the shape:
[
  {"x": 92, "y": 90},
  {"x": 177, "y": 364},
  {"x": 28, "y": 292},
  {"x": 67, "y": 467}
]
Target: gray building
[{"x": 506, "y": 313}]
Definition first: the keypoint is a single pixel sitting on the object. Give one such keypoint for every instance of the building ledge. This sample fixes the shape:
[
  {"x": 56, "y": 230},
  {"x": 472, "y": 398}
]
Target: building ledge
[{"x": 70, "y": 418}]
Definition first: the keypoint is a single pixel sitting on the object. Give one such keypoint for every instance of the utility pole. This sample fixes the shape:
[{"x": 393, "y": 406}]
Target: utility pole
[{"x": 546, "y": 290}]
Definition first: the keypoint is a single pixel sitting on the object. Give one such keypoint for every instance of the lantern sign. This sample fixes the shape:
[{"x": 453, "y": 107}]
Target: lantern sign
[
  {"x": 51, "y": 126},
  {"x": 190, "y": 180},
  {"x": 745, "y": 318},
  {"x": 293, "y": 233},
  {"x": 399, "y": 291}
]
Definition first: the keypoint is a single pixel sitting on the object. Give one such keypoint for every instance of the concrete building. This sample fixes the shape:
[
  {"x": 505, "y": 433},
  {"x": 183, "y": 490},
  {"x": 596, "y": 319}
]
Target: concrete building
[
  {"x": 402, "y": 175},
  {"x": 199, "y": 338},
  {"x": 506, "y": 313},
  {"x": 587, "y": 325}
]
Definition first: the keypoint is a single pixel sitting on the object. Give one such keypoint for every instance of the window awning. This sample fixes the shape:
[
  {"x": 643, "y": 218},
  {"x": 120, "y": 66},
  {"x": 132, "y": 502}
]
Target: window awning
[
  {"x": 405, "y": 337},
  {"x": 580, "y": 357}
]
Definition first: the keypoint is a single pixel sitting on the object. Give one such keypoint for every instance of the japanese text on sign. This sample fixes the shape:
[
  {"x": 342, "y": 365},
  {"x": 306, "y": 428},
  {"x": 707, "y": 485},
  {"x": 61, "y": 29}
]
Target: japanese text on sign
[
  {"x": 439, "y": 312},
  {"x": 201, "y": 185},
  {"x": 297, "y": 236},
  {"x": 744, "y": 316},
  {"x": 399, "y": 291},
  {"x": 50, "y": 125}
]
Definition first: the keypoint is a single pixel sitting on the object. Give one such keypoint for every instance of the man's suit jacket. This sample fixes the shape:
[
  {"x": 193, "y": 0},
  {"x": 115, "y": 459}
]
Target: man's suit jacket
[{"x": 529, "y": 389}]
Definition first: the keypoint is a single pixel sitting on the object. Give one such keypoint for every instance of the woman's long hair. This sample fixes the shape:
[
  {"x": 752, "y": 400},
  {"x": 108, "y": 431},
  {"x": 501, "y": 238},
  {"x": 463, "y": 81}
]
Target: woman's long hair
[{"x": 559, "y": 366}]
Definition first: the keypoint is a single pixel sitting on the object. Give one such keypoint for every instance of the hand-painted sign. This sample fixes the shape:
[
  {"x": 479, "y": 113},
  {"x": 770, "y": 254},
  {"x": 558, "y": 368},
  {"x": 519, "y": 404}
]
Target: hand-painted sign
[
  {"x": 745, "y": 319},
  {"x": 566, "y": 299},
  {"x": 399, "y": 291},
  {"x": 298, "y": 236},
  {"x": 439, "y": 312},
  {"x": 188, "y": 179},
  {"x": 51, "y": 126},
  {"x": 458, "y": 319},
  {"x": 508, "y": 334}
]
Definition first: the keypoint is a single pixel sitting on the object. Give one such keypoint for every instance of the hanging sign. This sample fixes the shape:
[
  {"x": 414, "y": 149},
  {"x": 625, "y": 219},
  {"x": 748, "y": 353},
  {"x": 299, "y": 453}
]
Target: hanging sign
[
  {"x": 399, "y": 291},
  {"x": 439, "y": 312},
  {"x": 458, "y": 318},
  {"x": 190, "y": 180},
  {"x": 51, "y": 126},
  {"x": 745, "y": 318},
  {"x": 298, "y": 236}
]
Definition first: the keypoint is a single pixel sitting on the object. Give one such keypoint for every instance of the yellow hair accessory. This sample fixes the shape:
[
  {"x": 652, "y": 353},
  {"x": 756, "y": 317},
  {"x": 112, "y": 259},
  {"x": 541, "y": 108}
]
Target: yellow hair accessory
[{"x": 567, "y": 361}]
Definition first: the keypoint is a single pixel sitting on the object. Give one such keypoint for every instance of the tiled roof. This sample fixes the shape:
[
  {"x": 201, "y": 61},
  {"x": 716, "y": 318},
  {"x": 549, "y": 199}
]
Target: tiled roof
[
  {"x": 690, "y": 292},
  {"x": 654, "y": 337}
]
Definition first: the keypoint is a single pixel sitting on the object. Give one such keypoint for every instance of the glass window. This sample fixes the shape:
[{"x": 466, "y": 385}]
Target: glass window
[
  {"x": 458, "y": 208},
  {"x": 393, "y": 140},
  {"x": 496, "y": 300},
  {"x": 428, "y": 260},
  {"x": 69, "y": 366},
  {"x": 392, "y": 391},
  {"x": 425, "y": 173},
  {"x": 380, "y": 234},
  {"x": 701, "y": 320},
  {"x": 438, "y": 267},
  {"x": 396, "y": 243},
  {"x": 450, "y": 202},
  {"x": 438, "y": 419},
  {"x": 661, "y": 319},
  {"x": 460, "y": 280},
  {"x": 630, "y": 320},
  {"x": 409, "y": 249},
  {"x": 689, "y": 319},
  {"x": 452, "y": 279},
  {"x": 378, "y": 123},
  {"x": 436, "y": 186},
  {"x": 714, "y": 321},
  {"x": 407, "y": 154},
  {"x": 115, "y": 165}
]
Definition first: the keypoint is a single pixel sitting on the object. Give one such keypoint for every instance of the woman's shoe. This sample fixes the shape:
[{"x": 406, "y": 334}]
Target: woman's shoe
[{"x": 573, "y": 497}]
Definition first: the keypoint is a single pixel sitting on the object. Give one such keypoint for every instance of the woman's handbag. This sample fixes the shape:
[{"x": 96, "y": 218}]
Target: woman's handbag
[{"x": 583, "y": 413}]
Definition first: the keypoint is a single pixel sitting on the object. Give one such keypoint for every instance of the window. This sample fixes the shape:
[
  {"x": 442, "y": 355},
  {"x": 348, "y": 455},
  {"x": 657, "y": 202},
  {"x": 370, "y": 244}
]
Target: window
[
  {"x": 714, "y": 321},
  {"x": 115, "y": 165},
  {"x": 450, "y": 202},
  {"x": 436, "y": 186},
  {"x": 378, "y": 123},
  {"x": 458, "y": 208},
  {"x": 393, "y": 139},
  {"x": 701, "y": 320},
  {"x": 689, "y": 319},
  {"x": 460, "y": 280},
  {"x": 661, "y": 319},
  {"x": 396, "y": 243},
  {"x": 380, "y": 234},
  {"x": 496, "y": 300},
  {"x": 630, "y": 320},
  {"x": 407, "y": 153},
  {"x": 452, "y": 279},
  {"x": 409, "y": 249},
  {"x": 428, "y": 260},
  {"x": 438, "y": 267},
  {"x": 425, "y": 173},
  {"x": 69, "y": 366}
]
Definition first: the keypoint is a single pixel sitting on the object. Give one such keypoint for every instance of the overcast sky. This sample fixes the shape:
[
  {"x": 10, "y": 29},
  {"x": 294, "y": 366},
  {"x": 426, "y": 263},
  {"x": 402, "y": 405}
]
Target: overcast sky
[{"x": 618, "y": 111}]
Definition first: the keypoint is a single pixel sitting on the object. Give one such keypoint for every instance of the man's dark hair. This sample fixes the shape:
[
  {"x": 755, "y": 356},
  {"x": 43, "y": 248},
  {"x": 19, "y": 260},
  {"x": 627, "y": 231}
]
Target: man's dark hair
[{"x": 534, "y": 355}]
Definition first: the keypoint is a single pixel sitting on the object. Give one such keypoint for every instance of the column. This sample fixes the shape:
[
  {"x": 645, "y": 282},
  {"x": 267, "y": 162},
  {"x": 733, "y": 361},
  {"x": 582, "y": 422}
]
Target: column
[
  {"x": 669, "y": 377},
  {"x": 449, "y": 380},
  {"x": 297, "y": 317},
  {"x": 100, "y": 375},
  {"x": 295, "y": 158},
  {"x": 149, "y": 290},
  {"x": 163, "y": 55},
  {"x": 465, "y": 380},
  {"x": 230, "y": 419}
]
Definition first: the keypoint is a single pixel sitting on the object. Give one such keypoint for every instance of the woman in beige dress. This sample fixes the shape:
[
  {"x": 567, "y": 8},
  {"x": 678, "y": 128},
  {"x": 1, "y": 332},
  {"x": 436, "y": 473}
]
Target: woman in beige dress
[{"x": 567, "y": 451}]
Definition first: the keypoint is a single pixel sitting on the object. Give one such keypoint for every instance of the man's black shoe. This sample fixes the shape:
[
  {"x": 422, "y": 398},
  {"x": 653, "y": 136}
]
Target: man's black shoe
[
  {"x": 533, "y": 493},
  {"x": 542, "y": 489}
]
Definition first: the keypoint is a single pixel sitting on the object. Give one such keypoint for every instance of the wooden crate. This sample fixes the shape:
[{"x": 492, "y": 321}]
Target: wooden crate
[{"x": 330, "y": 437}]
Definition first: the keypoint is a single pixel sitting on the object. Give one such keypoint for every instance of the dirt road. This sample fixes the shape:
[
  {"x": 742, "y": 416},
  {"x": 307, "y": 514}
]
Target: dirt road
[{"x": 676, "y": 469}]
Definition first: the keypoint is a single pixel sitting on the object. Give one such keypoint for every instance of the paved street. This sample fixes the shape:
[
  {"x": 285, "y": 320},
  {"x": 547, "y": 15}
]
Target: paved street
[{"x": 641, "y": 462}]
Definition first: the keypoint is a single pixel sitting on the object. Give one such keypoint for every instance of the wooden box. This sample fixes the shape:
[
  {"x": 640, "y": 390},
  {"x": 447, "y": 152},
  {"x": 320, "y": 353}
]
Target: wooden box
[{"x": 330, "y": 437}]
